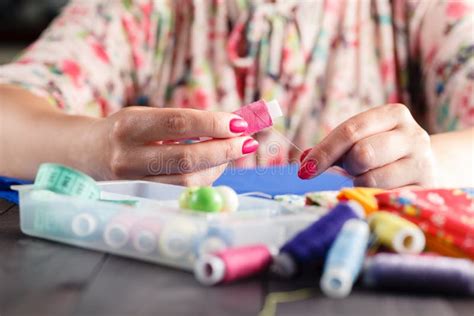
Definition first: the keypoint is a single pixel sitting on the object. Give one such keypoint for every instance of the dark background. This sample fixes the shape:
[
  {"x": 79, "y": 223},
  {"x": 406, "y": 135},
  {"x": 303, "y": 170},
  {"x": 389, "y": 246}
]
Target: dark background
[{"x": 22, "y": 21}]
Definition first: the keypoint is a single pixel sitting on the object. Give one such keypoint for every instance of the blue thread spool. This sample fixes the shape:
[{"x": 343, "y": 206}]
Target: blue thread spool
[
  {"x": 313, "y": 243},
  {"x": 419, "y": 273},
  {"x": 345, "y": 258}
]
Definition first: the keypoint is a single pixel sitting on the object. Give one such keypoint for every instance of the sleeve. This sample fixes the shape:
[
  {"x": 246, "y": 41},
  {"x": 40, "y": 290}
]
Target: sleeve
[
  {"x": 95, "y": 58},
  {"x": 442, "y": 38}
]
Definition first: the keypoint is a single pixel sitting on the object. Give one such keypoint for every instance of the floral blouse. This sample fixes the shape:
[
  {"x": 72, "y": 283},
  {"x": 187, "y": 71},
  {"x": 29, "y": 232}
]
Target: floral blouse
[{"x": 323, "y": 60}]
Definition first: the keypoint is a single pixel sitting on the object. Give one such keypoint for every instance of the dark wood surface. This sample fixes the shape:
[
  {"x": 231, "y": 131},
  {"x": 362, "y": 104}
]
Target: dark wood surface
[{"x": 39, "y": 277}]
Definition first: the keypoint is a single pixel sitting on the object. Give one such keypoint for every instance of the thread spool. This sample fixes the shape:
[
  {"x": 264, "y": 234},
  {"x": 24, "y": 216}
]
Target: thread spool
[
  {"x": 232, "y": 264},
  {"x": 419, "y": 273},
  {"x": 259, "y": 115},
  {"x": 313, "y": 243},
  {"x": 84, "y": 225},
  {"x": 177, "y": 239},
  {"x": 397, "y": 233},
  {"x": 145, "y": 234},
  {"x": 344, "y": 260},
  {"x": 117, "y": 231},
  {"x": 51, "y": 222},
  {"x": 216, "y": 239}
]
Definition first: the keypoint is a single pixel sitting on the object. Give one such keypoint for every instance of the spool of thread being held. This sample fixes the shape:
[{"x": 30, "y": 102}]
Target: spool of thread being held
[
  {"x": 397, "y": 233},
  {"x": 232, "y": 264},
  {"x": 419, "y": 273},
  {"x": 313, "y": 243},
  {"x": 259, "y": 115},
  {"x": 345, "y": 258}
]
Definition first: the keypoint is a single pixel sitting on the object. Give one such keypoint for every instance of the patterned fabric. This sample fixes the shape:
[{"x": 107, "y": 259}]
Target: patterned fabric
[
  {"x": 447, "y": 214},
  {"x": 324, "y": 60}
]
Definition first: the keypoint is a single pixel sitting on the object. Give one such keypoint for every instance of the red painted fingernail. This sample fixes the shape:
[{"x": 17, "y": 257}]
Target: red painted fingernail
[
  {"x": 307, "y": 169},
  {"x": 238, "y": 125},
  {"x": 304, "y": 154},
  {"x": 249, "y": 146}
]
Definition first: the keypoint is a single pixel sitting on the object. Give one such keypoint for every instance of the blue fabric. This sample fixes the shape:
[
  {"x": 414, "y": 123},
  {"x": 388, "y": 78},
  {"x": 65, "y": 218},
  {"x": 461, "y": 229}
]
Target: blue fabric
[
  {"x": 6, "y": 193},
  {"x": 280, "y": 180},
  {"x": 273, "y": 180}
]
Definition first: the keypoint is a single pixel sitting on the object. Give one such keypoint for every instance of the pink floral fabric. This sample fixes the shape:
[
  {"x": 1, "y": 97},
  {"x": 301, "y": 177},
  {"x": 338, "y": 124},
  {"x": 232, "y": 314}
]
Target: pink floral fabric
[{"x": 323, "y": 60}]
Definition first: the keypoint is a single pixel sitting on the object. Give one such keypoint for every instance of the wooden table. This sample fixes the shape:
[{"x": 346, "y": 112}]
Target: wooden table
[{"x": 39, "y": 277}]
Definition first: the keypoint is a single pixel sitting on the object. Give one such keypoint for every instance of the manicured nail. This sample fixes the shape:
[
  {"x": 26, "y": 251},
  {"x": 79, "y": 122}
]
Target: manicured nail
[
  {"x": 238, "y": 125},
  {"x": 307, "y": 169},
  {"x": 249, "y": 146},
  {"x": 304, "y": 154}
]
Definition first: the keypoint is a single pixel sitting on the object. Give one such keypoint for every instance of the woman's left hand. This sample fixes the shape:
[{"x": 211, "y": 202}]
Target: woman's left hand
[{"x": 383, "y": 147}]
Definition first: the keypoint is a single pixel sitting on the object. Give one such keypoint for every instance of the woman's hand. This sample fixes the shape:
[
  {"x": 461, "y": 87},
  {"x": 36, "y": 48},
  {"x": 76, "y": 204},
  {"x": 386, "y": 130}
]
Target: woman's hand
[
  {"x": 383, "y": 147},
  {"x": 141, "y": 143}
]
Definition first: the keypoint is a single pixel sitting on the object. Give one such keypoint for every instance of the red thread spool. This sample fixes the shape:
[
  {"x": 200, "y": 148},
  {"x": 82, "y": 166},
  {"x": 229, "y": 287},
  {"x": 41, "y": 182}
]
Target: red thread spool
[
  {"x": 259, "y": 115},
  {"x": 232, "y": 264}
]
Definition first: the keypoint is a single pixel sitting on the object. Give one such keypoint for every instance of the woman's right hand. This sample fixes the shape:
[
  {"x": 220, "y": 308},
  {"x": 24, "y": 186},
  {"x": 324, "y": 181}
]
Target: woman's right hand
[{"x": 137, "y": 143}]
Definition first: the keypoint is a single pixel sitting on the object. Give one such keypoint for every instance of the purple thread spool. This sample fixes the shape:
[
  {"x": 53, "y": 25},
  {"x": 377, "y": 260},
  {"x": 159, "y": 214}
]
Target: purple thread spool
[
  {"x": 419, "y": 273},
  {"x": 313, "y": 243}
]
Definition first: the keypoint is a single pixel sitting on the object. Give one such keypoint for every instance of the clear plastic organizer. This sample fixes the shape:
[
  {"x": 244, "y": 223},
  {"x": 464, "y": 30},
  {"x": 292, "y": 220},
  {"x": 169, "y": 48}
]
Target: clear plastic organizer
[{"x": 155, "y": 229}]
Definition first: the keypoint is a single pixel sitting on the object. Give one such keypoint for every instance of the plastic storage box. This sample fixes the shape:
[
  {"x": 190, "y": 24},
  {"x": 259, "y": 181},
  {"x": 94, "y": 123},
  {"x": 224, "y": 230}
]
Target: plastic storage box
[{"x": 155, "y": 229}]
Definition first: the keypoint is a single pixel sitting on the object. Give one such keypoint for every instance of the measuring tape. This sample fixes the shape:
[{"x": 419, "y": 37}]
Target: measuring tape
[{"x": 63, "y": 180}]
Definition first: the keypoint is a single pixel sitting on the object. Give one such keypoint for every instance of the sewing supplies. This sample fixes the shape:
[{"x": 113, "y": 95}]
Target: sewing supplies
[
  {"x": 259, "y": 115},
  {"x": 232, "y": 264},
  {"x": 364, "y": 196},
  {"x": 216, "y": 239},
  {"x": 145, "y": 234},
  {"x": 209, "y": 199},
  {"x": 118, "y": 229},
  {"x": 45, "y": 221},
  {"x": 155, "y": 228},
  {"x": 313, "y": 243},
  {"x": 397, "y": 233},
  {"x": 419, "y": 273},
  {"x": 205, "y": 199},
  {"x": 84, "y": 224},
  {"x": 63, "y": 180},
  {"x": 177, "y": 238},
  {"x": 444, "y": 213},
  {"x": 291, "y": 199},
  {"x": 229, "y": 198},
  {"x": 323, "y": 198},
  {"x": 185, "y": 196},
  {"x": 443, "y": 247},
  {"x": 344, "y": 260}
]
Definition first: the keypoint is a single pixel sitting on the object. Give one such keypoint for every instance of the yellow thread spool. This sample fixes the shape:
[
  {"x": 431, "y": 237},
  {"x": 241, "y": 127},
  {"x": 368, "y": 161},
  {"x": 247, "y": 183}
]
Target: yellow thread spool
[
  {"x": 397, "y": 233},
  {"x": 365, "y": 196}
]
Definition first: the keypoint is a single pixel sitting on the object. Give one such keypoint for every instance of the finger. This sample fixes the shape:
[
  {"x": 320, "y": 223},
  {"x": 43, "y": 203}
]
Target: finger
[
  {"x": 376, "y": 151},
  {"x": 181, "y": 158},
  {"x": 146, "y": 125},
  {"x": 304, "y": 154},
  {"x": 343, "y": 137},
  {"x": 198, "y": 178},
  {"x": 401, "y": 173}
]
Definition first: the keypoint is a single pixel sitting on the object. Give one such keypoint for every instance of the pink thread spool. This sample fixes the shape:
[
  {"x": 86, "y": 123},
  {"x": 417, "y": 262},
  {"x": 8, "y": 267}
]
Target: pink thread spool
[
  {"x": 145, "y": 234},
  {"x": 232, "y": 264},
  {"x": 259, "y": 115}
]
